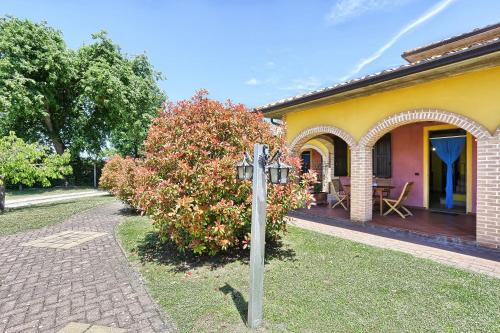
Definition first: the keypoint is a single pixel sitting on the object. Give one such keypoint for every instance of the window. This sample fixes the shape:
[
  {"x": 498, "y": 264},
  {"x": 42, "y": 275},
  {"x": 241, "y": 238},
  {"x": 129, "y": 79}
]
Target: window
[
  {"x": 306, "y": 161},
  {"x": 382, "y": 157},
  {"x": 340, "y": 151}
]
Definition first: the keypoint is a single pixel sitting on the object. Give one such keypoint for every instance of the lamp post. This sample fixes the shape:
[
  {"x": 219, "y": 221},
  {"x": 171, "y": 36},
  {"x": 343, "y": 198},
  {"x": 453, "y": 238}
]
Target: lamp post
[{"x": 257, "y": 170}]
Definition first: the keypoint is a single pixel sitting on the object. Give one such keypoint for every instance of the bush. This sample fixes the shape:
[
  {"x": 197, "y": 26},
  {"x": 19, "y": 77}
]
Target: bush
[
  {"x": 187, "y": 183},
  {"x": 118, "y": 177}
]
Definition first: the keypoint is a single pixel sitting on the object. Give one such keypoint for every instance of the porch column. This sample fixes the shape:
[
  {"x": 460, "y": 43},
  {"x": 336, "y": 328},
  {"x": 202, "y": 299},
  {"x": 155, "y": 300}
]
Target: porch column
[
  {"x": 361, "y": 183},
  {"x": 488, "y": 191},
  {"x": 326, "y": 175},
  {"x": 332, "y": 165}
]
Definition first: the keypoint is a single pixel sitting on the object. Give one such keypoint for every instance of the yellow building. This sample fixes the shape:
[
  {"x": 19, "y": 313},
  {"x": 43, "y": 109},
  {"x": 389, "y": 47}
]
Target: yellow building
[{"x": 433, "y": 123}]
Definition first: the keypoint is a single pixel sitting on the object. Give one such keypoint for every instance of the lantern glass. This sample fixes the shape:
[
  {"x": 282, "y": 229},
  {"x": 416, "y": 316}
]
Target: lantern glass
[
  {"x": 240, "y": 172},
  {"x": 273, "y": 174},
  {"x": 244, "y": 170},
  {"x": 249, "y": 172},
  {"x": 284, "y": 175},
  {"x": 278, "y": 172}
]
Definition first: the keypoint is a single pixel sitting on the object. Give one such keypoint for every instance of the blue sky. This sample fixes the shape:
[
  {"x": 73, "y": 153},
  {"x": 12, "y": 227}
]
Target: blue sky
[{"x": 259, "y": 51}]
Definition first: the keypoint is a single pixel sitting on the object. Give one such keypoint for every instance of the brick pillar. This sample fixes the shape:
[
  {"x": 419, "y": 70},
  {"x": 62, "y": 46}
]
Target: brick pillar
[
  {"x": 326, "y": 176},
  {"x": 361, "y": 183},
  {"x": 488, "y": 191}
]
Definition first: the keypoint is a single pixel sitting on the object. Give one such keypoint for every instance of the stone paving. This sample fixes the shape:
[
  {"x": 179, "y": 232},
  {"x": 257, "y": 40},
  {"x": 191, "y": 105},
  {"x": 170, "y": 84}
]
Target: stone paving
[
  {"x": 43, "y": 198},
  {"x": 478, "y": 260},
  {"x": 43, "y": 289}
]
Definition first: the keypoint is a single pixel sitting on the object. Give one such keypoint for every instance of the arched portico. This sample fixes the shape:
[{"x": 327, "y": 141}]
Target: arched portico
[
  {"x": 325, "y": 153},
  {"x": 322, "y": 136},
  {"x": 488, "y": 168}
]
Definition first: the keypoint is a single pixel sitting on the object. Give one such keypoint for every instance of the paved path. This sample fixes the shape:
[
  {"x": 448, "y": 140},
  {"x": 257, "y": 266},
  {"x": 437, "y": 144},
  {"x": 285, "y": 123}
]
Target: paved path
[
  {"x": 43, "y": 289},
  {"x": 473, "y": 263},
  {"x": 39, "y": 199}
]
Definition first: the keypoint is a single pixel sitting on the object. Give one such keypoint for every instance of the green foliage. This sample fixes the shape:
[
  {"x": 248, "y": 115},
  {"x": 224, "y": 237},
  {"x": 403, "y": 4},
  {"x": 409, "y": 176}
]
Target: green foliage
[
  {"x": 77, "y": 99},
  {"x": 30, "y": 163}
]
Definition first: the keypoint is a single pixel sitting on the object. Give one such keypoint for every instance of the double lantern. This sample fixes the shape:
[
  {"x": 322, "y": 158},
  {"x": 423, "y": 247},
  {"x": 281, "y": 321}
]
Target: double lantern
[{"x": 277, "y": 170}]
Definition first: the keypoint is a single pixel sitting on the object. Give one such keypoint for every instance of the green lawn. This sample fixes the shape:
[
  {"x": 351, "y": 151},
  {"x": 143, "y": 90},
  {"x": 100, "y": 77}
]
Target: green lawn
[
  {"x": 33, "y": 217},
  {"x": 24, "y": 193},
  {"x": 315, "y": 283}
]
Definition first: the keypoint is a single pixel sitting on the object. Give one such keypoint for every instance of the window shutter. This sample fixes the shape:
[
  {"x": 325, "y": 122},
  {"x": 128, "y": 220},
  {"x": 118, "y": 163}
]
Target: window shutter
[
  {"x": 340, "y": 157},
  {"x": 382, "y": 157}
]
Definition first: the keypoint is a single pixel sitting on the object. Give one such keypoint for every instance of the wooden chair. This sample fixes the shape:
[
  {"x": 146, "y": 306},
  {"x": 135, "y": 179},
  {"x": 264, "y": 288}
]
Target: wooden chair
[
  {"x": 339, "y": 193},
  {"x": 397, "y": 204}
]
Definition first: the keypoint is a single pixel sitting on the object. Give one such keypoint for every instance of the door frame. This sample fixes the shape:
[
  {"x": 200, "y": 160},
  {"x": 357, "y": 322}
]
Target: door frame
[{"x": 468, "y": 187}]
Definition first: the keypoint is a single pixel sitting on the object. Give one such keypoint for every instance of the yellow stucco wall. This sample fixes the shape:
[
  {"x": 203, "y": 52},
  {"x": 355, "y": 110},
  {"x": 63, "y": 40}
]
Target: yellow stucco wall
[
  {"x": 474, "y": 94},
  {"x": 318, "y": 145}
]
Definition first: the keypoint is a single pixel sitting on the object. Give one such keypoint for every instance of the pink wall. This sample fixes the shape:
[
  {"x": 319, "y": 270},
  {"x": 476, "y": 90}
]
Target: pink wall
[
  {"x": 316, "y": 159},
  {"x": 407, "y": 161}
]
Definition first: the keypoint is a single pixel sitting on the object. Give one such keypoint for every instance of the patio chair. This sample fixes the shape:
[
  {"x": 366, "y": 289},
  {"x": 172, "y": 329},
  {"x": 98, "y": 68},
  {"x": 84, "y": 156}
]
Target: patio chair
[
  {"x": 339, "y": 193},
  {"x": 397, "y": 204}
]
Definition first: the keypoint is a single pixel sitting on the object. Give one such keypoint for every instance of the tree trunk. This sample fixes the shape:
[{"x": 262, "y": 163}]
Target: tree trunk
[{"x": 53, "y": 135}]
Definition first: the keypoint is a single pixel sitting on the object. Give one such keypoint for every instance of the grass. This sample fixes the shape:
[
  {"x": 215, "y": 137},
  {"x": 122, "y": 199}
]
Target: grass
[
  {"x": 314, "y": 283},
  {"x": 24, "y": 193},
  {"x": 38, "y": 216}
]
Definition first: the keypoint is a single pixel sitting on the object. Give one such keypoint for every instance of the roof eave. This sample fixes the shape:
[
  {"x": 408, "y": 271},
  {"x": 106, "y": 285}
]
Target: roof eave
[{"x": 392, "y": 75}]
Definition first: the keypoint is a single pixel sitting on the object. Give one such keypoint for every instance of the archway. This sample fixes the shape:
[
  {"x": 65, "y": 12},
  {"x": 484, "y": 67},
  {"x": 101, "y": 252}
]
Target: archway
[
  {"x": 337, "y": 142},
  {"x": 312, "y": 132},
  {"x": 362, "y": 176}
]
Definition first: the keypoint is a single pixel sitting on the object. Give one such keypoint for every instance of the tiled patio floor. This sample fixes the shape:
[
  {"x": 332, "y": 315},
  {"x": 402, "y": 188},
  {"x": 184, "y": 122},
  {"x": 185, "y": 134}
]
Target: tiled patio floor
[{"x": 458, "y": 227}]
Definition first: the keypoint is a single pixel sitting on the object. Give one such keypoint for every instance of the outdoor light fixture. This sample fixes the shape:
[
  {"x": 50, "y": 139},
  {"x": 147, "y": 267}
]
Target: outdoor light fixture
[
  {"x": 244, "y": 169},
  {"x": 258, "y": 171},
  {"x": 278, "y": 171}
]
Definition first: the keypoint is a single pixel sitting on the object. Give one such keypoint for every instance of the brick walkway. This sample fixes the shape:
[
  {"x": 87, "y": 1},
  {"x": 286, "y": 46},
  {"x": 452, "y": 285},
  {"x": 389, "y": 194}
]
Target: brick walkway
[
  {"x": 43, "y": 289},
  {"x": 476, "y": 260}
]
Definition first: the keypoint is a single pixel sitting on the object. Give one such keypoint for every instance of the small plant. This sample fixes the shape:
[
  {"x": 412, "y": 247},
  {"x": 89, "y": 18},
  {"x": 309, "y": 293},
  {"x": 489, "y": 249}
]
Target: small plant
[{"x": 317, "y": 188}]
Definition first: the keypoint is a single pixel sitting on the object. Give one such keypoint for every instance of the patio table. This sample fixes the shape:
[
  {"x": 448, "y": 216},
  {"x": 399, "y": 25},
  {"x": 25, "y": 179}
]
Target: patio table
[{"x": 379, "y": 191}]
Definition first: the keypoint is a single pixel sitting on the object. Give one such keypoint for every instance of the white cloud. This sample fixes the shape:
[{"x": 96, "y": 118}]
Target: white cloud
[
  {"x": 304, "y": 84},
  {"x": 438, "y": 8},
  {"x": 345, "y": 10},
  {"x": 252, "y": 82}
]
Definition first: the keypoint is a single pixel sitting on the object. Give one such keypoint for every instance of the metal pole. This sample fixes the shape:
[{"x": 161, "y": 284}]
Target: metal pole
[{"x": 258, "y": 236}]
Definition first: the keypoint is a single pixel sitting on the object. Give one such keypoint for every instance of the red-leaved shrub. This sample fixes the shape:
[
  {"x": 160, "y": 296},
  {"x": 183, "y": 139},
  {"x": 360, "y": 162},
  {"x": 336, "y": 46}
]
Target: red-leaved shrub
[
  {"x": 118, "y": 177},
  {"x": 187, "y": 183}
]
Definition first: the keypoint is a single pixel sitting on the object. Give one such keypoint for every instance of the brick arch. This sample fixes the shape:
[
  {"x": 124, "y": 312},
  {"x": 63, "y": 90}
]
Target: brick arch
[
  {"x": 312, "y": 132},
  {"x": 413, "y": 116}
]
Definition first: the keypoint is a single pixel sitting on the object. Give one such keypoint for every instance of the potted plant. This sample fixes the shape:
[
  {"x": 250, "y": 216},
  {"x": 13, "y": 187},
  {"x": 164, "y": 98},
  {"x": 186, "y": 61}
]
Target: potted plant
[{"x": 319, "y": 195}]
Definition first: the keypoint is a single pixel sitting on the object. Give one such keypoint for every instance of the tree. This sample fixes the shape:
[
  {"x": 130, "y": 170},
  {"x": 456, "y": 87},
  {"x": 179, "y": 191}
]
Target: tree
[
  {"x": 27, "y": 164},
  {"x": 187, "y": 181},
  {"x": 74, "y": 99}
]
